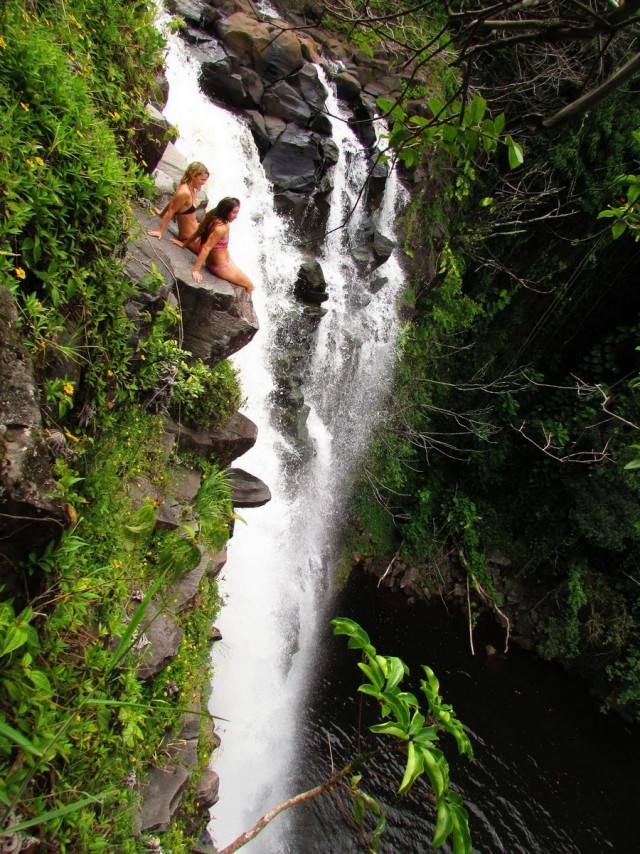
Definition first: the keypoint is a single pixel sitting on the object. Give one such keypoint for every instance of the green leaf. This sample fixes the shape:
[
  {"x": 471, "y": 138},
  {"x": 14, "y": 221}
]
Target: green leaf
[
  {"x": 607, "y": 214},
  {"x": 499, "y": 123},
  {"x": 516, "y": 153},
  {"x": 389, "y": 728},
  {"x": 413, "y": 769},
  {"x": 44, "y": 817},
  {"x": 14, "y": 639},
  {"x": 478, "y": 109},
  {"x": 634, "y": 464},
  {"x": 432, "y": 767},
  {"x": 436, "y": 106},
  {"x": 385, "y": 105},
  {"x": 18, "y": 739},
  {"x": 444, "y": 824},
  {"x": 395, "y": 672},
  {"x": 618, "y": 229},
  {"x": 373, "y": 673}
]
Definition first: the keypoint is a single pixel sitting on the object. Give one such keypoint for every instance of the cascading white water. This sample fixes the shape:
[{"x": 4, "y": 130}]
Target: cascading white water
[{"x": 280, "y": 562}]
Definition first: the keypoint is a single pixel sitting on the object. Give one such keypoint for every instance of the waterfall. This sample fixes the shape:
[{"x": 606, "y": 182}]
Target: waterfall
[{"x": 278, "y": 576}]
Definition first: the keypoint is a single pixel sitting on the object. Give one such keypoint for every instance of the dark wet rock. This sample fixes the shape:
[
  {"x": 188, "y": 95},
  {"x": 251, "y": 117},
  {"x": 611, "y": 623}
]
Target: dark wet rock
[
  {"x": 219, "y": 82},
  {"x": 247, "y": 490},
  {"x": 258, "y": 128},
  {"x": 362, "y": 125},
  {"x": 382, "y": 247},
  {"x": 311, "y": 285},
  {"x": 377, "y": 283},
  {"x": 321, "y": 123},
  {"x": 348, "y": 88},
  {"x": 284, "y": 102},
  {"x": 296, "y": 160},
  {"x": 282, "y": 58},
  {"x": 189, "y": 10},
  {"x": 311, "y": 87},
  {"x": 376, "y": 185},
  {"x": 360, "y": 254},
  {"x": 275, "y": 127},
  {"x": 225, "y": 444}
]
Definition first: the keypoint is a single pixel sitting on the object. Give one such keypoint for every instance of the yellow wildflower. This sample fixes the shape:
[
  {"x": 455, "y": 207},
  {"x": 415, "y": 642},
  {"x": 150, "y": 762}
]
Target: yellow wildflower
[
  {"x": 39, "y": 161},
  {"x": 29, "y": 163},
  {"x": 24, "y": 106},
  {"x": 67, "y": 388},
  {"x": 80, "y": 134},
  {"x": 20, "y": 273},
  {"x": 108, "y": 200},
  {"x": 3, "y": 43}
]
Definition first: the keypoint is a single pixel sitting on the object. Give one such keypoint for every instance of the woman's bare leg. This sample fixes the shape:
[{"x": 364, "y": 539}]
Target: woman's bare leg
[{"x": 231, "y": 273}]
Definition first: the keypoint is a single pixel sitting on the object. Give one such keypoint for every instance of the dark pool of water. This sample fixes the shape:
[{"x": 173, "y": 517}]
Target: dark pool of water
[{"x": 551, "y": 773}]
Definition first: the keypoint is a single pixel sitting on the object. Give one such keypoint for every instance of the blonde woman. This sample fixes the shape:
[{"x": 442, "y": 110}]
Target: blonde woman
[
  {"x": 183, "y": 204},
  {"x": 210, "y": 242}
]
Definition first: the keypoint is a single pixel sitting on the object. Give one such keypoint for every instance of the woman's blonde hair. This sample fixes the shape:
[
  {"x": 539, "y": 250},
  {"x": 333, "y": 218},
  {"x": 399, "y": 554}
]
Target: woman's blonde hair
[{"x": 193, "y": 170}]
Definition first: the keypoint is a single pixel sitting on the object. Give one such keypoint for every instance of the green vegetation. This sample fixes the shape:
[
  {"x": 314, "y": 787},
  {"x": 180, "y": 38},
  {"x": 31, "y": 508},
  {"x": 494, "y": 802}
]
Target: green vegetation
[
  {"x": 415, "y": 730},
  {"x": 77, "y": 725},
  {"x": 76, "y": 720},
  {"x": 515, "y": 410}
]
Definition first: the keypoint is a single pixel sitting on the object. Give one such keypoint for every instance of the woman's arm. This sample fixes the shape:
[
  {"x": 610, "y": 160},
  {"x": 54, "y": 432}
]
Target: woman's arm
[
  {"x": 215, "y": 236},
  {"x": 181, "y": 196}
]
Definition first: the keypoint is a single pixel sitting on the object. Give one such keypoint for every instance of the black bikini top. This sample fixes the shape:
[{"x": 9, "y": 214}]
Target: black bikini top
[{"x": 190, "y": 210}]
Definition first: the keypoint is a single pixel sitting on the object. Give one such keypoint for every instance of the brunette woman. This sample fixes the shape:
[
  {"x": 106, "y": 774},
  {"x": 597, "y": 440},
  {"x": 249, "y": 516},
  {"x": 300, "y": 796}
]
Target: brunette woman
[{"x": 210, "y": 242}]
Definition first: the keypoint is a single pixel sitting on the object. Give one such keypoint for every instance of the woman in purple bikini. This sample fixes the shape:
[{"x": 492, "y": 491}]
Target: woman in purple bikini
[
  {"x": 183, "y": 204},
  {"x": 210, "y": 242}
]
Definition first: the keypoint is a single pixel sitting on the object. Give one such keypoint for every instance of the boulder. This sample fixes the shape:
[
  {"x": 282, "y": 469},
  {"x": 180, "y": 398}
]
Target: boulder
[
  {"x": 258, "y": 128},
  {"x": 162, "y": 794},
  {"x": 311, "y": 87},
  {"x": 348, "y": 88},
  {"x": 382, "y": 247},
  {"x": 282, "y": 57},
  {"x": 163, "y": 638},
  {"x": 275, "y": 127},
  {"x": 245, "y": 37},
  {"x": 181, "y": 595},
  {"x": 295, "y": 161},
  {"x": 219, "y": 82},
  {"x": 247, "y": 490},
  {"x": 311, "y": 285},
  {"x": 225, "y": 443},
  {"x": 217, "y": 317},
  {"x": 376, "y": 283},
  {"x": 284, "y": 102},
  {"x": 217, "y": 560},
  {"x": 376, "y": 185},
  {"x": 189, "y": 10}
]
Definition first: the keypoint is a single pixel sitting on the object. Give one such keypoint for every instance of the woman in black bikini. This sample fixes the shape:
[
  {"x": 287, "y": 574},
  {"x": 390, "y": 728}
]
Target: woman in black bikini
[
  {"x": 210, "y": 242},
  {"x": 184, "y": 203}
]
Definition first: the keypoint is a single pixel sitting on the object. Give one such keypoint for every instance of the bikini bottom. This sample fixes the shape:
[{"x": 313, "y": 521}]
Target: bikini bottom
[{"x": 221, "y": 267}]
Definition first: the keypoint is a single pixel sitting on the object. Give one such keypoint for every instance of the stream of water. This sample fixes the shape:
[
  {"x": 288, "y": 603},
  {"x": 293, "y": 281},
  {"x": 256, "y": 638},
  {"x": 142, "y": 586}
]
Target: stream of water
[{"x": 281, "y": 688}]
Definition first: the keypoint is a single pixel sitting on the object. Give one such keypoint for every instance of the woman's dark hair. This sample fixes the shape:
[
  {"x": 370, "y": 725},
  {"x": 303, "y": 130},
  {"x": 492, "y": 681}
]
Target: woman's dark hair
[{"x": 216, "y": 215}]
